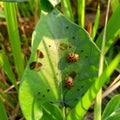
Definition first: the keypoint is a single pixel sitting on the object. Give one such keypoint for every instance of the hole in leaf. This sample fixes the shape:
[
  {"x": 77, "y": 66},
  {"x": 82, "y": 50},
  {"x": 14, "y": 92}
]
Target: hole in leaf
[
  {"x": 76, "y": 99},
  {"x": 65, "y": 104},
  {"x": 70, "y": 46},
  {"x": 78, "y": 89},
  {"x": 38, "y": 66},
  {"x": 63, "y": 46},
  {"x": 81, "y": 86},
  {"x": 48, "y": 90},
  {"x": 82, "y": 94},
  {"x": 51, "y": 102},
  {"x": 43, "y": 95},
  {"x": 73, "y": 37},
  {"x": 40, "y": 54},
  {"x": 67, "y": 27},
  {"x": 49, "y": 45},
  {"x": 32, "y": 65},
  {"x": 38, "y": 93},
  {"x": 82, "y": 51},
  {"x": 54, "y": 13},
  {"x": 72, "y": 74}
]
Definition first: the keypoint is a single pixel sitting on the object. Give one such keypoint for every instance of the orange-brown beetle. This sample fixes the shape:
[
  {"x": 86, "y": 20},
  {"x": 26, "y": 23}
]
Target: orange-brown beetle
[
  {"x": 69, "y": 82},
  {"x": 72, "y": 57}
]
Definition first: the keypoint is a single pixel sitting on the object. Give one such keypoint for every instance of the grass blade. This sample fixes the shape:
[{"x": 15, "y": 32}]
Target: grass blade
[
  {"x": 113, "y": 30},
  {"x": 67, "y": 9},
  {"x": 10, "y": 13},
  {"x": 95, "y": 27},
  {"x": 3, "y": 114},
  {"x": 81, "y": 12},
  {"x": 4, "y": 63}
]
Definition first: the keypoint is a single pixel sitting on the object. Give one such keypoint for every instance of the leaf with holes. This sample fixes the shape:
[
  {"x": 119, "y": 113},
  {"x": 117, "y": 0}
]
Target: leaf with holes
[{"x": 62, "y": 66}]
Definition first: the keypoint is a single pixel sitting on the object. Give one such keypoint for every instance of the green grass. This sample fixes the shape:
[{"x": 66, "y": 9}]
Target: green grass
[
  {"x": 67, "y": 9},
  {"x": 81, "y": 12},
  {"x": 12, "y": 26},
  {"x": 3, "y": 114}
]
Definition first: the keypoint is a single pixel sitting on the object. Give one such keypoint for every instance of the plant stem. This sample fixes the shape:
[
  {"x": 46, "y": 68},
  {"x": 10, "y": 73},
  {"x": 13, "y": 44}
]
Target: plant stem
[{"x": 97, "y": 111}]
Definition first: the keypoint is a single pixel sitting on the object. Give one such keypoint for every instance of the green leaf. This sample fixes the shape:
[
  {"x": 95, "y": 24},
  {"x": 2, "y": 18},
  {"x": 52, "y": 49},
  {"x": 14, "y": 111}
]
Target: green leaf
[
  {"x": 54, "y": 2},
  {"x": 83, "y": 105},
  {"x": 114, "y": 4},
  {"x": 112, "y": 110},
  {"x": 46, "y": 5},
  {"x": 44, "y": 78},
  {"x": 3, "y": 114},
  {"x": 116, "y": 116},
  {"x": 52, "y": 111},
  {"x": 2, "y": 15}
]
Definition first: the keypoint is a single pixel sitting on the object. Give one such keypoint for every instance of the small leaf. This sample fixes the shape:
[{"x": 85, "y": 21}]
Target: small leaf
[
  {"x": 53, "y": 111},
  {"x": 46, "y": 5},
  {"x": 54, "y": 2},
  {"x": 112, "y": 109}
]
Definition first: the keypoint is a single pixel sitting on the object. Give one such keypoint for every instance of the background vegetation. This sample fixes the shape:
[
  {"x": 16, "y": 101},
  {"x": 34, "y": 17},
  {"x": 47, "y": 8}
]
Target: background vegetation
[{"x": 17, "y": 23}]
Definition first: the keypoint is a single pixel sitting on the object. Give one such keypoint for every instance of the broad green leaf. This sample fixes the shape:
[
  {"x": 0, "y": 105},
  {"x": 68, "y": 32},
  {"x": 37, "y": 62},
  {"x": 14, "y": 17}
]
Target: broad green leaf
[
  {"x": 112, "y": 109},
  {"x": 55, "y": 37}
]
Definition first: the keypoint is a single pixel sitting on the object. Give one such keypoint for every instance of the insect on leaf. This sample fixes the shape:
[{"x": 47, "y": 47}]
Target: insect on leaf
[{"x": 53, "y": 39}]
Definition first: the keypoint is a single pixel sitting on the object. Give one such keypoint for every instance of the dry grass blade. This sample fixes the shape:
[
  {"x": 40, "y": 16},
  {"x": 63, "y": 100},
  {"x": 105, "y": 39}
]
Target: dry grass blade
[{"x": 114, "y": 85}]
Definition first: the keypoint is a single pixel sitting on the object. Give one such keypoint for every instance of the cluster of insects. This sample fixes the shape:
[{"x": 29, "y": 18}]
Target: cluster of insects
[
  {"x": 71, "y": 57},
  {"x": 37, "y": 65}
]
